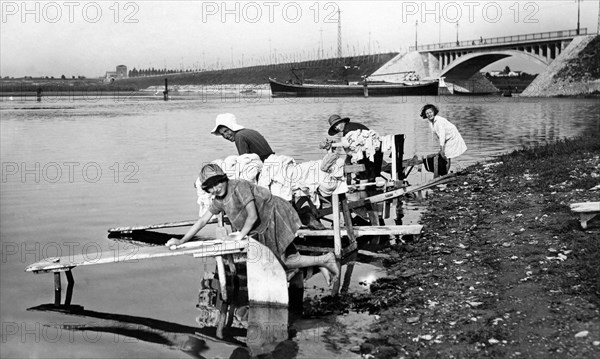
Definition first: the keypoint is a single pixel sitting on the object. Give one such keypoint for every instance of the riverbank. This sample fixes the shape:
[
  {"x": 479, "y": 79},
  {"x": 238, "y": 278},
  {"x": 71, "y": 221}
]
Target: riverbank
[{"x": 503, "y": 268}]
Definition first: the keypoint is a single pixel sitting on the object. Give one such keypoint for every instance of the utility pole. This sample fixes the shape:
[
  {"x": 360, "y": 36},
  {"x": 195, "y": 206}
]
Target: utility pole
[
  {"x": 322, "y": 51},
  {"x": 457, "y": 33},
  {"x": 270, "y": 55},
  {"x": 578, "y": 14},
  {"x": 598, "y": 26},
  {"x": 339, "y": 49},
  {"x": 416, "y": 32}
]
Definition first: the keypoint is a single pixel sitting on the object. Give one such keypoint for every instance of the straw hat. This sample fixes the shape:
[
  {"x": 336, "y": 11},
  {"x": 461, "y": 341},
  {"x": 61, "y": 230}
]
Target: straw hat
[
  {"x": 333, "y": 121},
  {"x": 228, "y": 120}
]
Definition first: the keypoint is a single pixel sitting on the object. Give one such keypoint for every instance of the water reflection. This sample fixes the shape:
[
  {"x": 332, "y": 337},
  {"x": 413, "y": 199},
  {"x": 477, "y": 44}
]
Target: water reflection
[{"x": 267, "y": 335}]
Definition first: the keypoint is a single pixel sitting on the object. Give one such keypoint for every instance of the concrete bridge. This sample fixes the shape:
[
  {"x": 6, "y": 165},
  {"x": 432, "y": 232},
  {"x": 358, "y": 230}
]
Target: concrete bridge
[{"x": 461, "y": 60}]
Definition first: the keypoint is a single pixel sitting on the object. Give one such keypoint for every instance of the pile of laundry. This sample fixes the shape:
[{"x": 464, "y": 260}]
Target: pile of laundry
[{"x": 283, "y": 176}]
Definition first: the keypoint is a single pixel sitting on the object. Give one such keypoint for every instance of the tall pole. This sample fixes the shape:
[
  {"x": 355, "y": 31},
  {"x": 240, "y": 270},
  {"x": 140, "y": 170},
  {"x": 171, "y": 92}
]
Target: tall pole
[
  {"x": 457, "y": 33},
  {"x": 270, "y": 54},
  {"x": 416, "y": 27},
  {"x": 322, "y": 51},
  {"x": 339, "y": 49},
  {"x": 578, "y": 14}
]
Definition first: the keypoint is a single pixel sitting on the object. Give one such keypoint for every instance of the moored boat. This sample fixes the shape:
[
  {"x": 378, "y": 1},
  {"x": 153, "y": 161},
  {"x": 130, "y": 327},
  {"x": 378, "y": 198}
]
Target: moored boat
[{"x": 281, "y": 89}]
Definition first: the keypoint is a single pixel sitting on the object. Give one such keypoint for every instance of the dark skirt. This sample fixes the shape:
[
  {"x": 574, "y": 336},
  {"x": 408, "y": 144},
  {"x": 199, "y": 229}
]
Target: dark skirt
[{"x": 281, "y": 229}]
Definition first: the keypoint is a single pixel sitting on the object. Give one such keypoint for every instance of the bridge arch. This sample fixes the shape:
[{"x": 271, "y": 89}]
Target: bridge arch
[{"x": 469, "y": 64}]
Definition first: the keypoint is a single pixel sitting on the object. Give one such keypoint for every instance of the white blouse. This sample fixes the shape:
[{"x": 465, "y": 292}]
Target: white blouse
[{"x": 448, "y": 135}]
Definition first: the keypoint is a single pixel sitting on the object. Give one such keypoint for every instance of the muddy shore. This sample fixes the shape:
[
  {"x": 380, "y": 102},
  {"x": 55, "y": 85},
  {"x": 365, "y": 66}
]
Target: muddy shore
[{"x": 503, "y": 268}]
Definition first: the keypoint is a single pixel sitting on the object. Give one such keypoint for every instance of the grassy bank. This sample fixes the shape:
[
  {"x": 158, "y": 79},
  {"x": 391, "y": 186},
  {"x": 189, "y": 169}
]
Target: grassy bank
[{"x": 503, "y": 268}]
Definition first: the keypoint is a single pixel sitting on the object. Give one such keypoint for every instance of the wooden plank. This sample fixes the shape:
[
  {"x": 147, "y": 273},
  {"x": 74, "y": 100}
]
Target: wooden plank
[
  {"x": 585, "y": 207},
  {"x": 394, "y": 161},
  {"x": 131, "y": 254},
  {"x": 337, "y": 241},
  {"x": 336, "y": 231},
  {"x": 267, "y": 280},
  {"x": 190, "y": 222},
  {"x": 397, "y": 157},
  {"x": 393, "y": 194},
  {"x": 348, "y": 223},
  {"x": 365, "y": 231}
]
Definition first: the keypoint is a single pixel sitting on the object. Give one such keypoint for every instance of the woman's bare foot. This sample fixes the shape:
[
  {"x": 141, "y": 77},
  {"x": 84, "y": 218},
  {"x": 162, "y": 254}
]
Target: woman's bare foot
[{"x": 331, "y": 265}]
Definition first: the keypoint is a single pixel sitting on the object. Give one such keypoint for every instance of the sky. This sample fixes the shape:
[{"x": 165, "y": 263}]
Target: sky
[{"x": 88, "y": 38}]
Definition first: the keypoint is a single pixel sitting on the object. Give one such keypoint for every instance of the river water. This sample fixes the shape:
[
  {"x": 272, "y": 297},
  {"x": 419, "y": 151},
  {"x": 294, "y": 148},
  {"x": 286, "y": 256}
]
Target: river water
[{"x": 74, "y": 167}]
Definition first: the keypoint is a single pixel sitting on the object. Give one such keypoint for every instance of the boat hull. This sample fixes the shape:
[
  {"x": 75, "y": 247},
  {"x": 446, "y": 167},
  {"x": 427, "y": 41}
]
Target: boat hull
[{"x": 279, "y": 89}]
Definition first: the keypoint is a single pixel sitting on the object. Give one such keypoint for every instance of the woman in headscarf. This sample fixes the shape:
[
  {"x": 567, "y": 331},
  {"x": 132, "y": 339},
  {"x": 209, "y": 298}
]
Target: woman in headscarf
[{"x": 253, "y": 210}]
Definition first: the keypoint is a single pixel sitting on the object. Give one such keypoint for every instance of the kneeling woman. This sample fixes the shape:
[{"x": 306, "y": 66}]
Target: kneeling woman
[{"x": 253, "y": 210}]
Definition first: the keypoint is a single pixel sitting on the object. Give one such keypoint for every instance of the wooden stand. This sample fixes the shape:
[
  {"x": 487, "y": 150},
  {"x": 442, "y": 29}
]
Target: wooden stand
[
  {"x": 586, "y": 210},
  {"x": 337, "y": 234}
]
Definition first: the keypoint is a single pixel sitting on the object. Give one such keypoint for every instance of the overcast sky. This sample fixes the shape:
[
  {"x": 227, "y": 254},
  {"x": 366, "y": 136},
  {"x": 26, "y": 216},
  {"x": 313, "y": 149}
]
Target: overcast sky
[{"x": 91, "y": 37}]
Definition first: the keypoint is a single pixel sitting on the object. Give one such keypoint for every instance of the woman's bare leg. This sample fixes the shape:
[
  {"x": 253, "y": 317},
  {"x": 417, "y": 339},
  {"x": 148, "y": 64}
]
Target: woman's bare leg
[{"x": 326, "y": 261}]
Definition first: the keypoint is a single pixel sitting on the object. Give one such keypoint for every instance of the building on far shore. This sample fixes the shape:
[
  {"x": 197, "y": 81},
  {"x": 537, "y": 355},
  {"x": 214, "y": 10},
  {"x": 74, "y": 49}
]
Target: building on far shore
[{"x": 121, "y": 73}]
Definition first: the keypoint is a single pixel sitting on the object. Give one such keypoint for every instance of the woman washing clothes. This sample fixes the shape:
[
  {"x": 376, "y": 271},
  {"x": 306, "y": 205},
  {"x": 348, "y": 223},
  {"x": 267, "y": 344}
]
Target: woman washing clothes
[
  {"x": 252, "y": 210},
  {"x": 451, "y": 142}
]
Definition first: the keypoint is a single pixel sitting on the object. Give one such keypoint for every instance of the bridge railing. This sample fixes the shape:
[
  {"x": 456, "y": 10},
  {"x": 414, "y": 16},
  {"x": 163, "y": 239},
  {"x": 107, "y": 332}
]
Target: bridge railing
[{"x": 550, "y": 35}]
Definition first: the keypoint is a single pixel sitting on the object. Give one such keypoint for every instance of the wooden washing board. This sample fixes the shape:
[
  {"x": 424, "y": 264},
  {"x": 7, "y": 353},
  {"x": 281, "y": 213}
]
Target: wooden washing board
[{"x": 261, "y": 263}]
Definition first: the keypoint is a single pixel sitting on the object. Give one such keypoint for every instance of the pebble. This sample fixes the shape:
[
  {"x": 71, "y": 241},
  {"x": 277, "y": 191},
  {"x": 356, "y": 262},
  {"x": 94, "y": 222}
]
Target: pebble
[
  {"x": 413, "y": 319},
  {"x": 582, "y": 334},
  {"x": 474, "y": 304}
]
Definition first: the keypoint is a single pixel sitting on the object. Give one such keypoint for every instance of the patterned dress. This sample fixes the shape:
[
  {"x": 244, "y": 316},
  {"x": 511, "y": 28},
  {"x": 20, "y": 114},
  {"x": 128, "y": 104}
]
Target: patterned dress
[{"x": 277, "y": 222}]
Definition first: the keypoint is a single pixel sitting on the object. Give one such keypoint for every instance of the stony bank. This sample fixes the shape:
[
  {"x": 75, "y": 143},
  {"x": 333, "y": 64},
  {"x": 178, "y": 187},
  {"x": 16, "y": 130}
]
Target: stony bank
[{"x": 503, "y": 269}]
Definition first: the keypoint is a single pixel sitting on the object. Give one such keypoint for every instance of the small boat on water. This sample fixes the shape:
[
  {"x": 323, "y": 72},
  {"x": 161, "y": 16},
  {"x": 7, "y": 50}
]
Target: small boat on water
[
  {"x": 458, "y": 92},
  {"x": 281, "y": 89}
]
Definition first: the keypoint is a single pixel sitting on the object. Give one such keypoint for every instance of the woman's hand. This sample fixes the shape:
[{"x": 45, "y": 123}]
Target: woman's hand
[
  {"x": 443, "y": 154},
  {"x": 173, "y": 242}
]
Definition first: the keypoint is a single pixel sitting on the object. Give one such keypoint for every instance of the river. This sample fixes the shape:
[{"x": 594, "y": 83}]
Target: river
[{"x": 74, "y": 167}]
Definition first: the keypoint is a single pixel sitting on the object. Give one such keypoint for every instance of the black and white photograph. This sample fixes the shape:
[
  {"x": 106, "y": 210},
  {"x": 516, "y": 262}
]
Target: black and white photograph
[{"x": 300, "y": 179}]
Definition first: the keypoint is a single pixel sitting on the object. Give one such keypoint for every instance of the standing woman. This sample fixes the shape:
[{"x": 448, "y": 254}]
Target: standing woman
[
  {"x": 451, "y": 142},
  {"x": 253, "y": 210}
]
